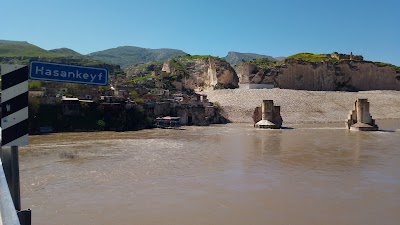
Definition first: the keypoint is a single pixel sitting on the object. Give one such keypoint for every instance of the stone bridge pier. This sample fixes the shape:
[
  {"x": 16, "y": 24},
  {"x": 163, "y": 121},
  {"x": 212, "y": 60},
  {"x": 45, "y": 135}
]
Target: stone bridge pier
[
  {"x": 359, "y": 118},
  {"x": 269, "y": 114}
]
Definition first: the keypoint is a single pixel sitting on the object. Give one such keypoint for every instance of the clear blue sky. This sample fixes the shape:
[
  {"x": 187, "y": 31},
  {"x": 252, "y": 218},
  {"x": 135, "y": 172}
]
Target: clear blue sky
[{"x": 209, "y": 27}]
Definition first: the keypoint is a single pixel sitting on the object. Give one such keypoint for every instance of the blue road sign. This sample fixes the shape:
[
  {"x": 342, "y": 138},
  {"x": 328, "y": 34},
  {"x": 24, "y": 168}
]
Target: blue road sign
[{"x": 68, "y": 73}]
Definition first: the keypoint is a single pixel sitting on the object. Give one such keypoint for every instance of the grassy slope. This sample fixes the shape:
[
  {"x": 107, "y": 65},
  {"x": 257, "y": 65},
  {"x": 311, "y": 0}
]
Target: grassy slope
[
  {"x": 18, "y": 52},
  {"x": 310, "y": 57},
  {"x": 66, "y": 52},
  {"x": 19, "y": 48}
]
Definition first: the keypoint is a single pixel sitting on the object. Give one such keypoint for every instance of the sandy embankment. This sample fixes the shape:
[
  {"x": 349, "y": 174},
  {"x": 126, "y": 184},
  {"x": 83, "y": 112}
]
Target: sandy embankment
[{"x": 299, "y": 107}]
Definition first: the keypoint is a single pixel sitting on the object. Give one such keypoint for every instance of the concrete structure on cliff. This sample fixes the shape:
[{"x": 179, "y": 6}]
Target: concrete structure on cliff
[
  {"x": 268, "y": 115},
  {"x": 359, "y": 118}
]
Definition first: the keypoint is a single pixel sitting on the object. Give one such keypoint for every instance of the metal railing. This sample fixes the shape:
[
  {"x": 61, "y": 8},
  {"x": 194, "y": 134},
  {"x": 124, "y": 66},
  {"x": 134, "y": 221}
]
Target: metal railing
[{"x": 8, "y": 214}]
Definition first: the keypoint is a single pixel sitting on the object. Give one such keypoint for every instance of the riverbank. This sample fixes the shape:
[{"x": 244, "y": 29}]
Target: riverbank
[{"x": 304, "y": 107}]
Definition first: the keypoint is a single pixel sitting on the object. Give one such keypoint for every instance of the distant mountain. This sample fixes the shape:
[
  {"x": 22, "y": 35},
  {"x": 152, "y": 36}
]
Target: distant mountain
[
  {"x": 280, "y": 58},
  {"x": 21, "y": 52},
  {"x": 23, "y": 48},
  {"x": 234, "y": 58},
  {"x": 130, "y": 55},
  {"x": 66, "y": 52},
  {"x": 123, "y": 56}
]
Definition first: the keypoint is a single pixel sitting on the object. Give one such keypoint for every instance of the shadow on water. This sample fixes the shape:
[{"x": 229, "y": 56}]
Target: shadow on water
[
  {"x": 287, "y": 128},
  {"x": 282, "y": 128},
  {"x": 387, "y": 131}
]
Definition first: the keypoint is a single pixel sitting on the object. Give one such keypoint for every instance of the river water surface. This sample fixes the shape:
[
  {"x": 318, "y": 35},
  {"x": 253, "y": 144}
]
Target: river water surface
[{"x": 225, "y": 174}]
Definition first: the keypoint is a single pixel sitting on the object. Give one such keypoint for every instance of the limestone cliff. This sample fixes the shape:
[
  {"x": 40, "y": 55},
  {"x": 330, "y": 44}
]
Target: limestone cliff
[
  {"x": 202, "y": 72},
  {"x": 346, "y": 75}
]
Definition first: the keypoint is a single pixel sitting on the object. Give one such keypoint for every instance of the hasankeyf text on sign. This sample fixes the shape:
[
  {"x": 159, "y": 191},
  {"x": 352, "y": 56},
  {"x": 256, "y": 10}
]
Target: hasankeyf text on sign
[{"x": 68, "y": 73}]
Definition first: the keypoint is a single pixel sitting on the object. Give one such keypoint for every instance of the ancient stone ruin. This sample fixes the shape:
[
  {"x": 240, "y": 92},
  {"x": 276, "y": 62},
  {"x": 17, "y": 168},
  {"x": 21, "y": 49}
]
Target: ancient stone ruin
[
  {"x": 346, "y": 56},
  {"x": 268, "y": 115},
  {"x": 359, "y": 118}
]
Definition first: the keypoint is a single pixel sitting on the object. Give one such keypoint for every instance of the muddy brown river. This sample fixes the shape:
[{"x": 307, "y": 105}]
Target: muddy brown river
[{"x": 224, "y": 174}]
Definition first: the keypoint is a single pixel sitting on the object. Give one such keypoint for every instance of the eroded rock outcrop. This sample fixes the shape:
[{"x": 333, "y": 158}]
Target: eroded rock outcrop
[
  {"x": 345, "y": 75},
  {"x": 188, "y": 72},
  {"x": 202, "y": 72}
]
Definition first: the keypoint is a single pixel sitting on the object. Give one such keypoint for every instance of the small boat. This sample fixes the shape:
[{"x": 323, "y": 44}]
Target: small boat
[{"x": 168, "y": 122}]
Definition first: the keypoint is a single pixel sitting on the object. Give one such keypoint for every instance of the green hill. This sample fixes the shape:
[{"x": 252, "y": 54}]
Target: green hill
[
  {"x": 129, "y": 55},
  {"x": 21, "y": 52},
  {"x": 234, "y": 58},
  {"x": 23, "y": 48},
  {"x": 311, "y": 57},
  {"x": 66, "y": 52}
]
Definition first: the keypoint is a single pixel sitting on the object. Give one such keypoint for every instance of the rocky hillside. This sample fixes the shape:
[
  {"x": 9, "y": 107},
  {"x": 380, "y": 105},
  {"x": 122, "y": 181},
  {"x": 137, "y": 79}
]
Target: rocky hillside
[
  {"x": 129, "y": 55},
  {"x": 189, "y": 72},
  {"x": 304, "y": 71},
  {"x": 234, "y": 58},
  {"x": 327, "y": 75}
]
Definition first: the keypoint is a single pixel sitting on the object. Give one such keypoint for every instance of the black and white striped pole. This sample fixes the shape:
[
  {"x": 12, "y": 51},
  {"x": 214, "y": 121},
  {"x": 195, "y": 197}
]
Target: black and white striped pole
[{"x": 14, "y": 125}]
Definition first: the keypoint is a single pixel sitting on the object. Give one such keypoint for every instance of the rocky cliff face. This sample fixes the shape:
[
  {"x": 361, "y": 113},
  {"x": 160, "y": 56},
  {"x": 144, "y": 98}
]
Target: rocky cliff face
[
  {"x": 202, "y": 72},
  {"x": 344, "y": 75}
]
